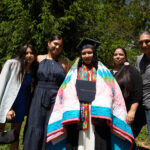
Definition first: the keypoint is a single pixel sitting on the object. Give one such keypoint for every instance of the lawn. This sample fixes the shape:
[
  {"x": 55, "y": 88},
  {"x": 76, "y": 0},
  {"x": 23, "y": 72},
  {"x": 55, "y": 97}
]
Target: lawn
[{"x": 142, "y": 140}]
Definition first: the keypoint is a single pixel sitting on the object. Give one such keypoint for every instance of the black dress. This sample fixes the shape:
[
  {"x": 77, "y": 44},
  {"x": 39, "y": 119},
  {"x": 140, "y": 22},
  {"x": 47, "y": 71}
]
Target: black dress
[
  {"x": 135, "y": 96},
  {"x": 50, "y": 75}
]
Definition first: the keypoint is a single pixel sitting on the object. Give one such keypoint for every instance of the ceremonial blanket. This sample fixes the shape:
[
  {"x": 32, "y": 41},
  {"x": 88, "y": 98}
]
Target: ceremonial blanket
[{"x": 108, "y": 104}]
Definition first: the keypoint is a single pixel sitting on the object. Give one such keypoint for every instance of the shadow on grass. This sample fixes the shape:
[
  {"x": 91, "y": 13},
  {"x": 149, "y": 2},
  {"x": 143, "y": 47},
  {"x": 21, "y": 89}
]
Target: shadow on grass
[{"x": 142, "y": 148}]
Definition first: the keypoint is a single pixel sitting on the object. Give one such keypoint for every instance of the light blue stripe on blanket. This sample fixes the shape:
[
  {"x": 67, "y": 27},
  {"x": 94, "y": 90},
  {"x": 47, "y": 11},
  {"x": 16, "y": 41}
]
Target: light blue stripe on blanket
[
  {"x": 58, "y": 124},
  {"x": 54, "y": 126},
  {"x": 106, "y": 112},
  {"x": 101, "y": 111},
  {"x": 97, "y": 111},
  {"x": 71, "y": 114},
  {"x": 119, "y": 144}
]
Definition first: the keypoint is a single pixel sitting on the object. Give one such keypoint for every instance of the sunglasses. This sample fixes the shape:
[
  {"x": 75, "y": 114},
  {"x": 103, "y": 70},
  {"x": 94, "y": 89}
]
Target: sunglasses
[{"x": 145, "y": 41}]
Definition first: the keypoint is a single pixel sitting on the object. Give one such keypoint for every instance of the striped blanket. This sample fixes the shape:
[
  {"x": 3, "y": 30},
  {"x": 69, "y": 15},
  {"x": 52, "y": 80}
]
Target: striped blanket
[{"x": 108, "y": 104}]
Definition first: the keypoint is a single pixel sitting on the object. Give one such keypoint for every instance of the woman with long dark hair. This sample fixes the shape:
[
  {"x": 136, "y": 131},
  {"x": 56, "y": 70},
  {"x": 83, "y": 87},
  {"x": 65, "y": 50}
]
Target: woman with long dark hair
[
  {"x": 50, "y": 74},
  {"x": 130, "y": 82},
  {"x": 89, "y": 105},
  {"x": 15, "y": 78}
]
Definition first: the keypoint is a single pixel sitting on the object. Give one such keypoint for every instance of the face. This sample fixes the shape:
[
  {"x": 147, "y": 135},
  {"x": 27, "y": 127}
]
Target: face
[
  {"x": 119, "y": 57},
  {"x": 144, "y": 43},
  {"x": 29, "y": 57},
  {"x": 55, "y": 47},
  {"x": 87, "y": 55}
]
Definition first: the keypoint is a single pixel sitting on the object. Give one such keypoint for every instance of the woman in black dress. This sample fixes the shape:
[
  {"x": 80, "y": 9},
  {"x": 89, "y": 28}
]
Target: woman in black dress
[
  {"x": 130, "y": 82},
  {"x": 50, "y": 74}
]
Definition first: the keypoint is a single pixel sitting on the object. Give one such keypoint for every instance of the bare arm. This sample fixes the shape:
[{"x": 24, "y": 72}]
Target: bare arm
[
  {"x": 40, "y": 58},
  {"x": 65, "y": 64}
]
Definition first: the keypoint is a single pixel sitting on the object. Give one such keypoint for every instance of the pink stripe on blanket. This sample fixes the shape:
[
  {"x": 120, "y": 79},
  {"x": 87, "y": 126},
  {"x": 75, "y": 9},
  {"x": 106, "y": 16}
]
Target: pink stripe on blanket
[
  {"x": 127, "y": 138},
  {"x": 54, "y": 136},
  {"x": 123, "y": 133},
  {"x": 53, "y": 132},
  {"x": 70, "y": 121},
  {"x": 101, "y": 117}
]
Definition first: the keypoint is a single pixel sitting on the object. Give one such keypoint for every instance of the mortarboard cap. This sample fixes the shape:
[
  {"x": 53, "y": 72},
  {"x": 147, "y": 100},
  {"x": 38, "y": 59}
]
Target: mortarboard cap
[{"x": 89, "y": 42}]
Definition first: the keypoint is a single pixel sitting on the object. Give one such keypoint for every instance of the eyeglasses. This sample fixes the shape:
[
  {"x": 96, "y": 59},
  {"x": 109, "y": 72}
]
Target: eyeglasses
[{"x": 145, "y": 41}]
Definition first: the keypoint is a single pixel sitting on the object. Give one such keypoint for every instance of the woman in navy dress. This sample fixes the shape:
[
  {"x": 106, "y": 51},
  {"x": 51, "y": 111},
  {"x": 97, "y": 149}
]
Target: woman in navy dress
[
  {"x": 15, "y": 78},
  {"x": 50, "y": 74}
]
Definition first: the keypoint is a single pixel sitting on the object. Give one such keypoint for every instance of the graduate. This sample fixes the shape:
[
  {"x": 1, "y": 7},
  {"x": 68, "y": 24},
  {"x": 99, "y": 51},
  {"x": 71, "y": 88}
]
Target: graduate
[{"x": 89, "y": 112}]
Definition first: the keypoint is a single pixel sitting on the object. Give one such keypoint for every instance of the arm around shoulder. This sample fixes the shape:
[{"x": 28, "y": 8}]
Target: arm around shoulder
[
  {"x": 65, "y": 64},
  {"x": 40, "y": 58}
]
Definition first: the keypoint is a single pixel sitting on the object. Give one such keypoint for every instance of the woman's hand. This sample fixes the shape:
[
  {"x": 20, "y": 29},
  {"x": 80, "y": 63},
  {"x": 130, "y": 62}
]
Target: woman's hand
[
  {"x": 10, "y": 115},
  {"x": 130, "y": 117},
  {"x": 131, "y": 113}
]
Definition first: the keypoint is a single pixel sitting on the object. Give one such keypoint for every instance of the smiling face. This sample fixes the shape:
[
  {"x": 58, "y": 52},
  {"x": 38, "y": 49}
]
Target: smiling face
[
  {"x": 87, "y": 55},
  {"x": 144, "y": 44},
  {"x": 119, "y": 57},
  {"x": 55, "y": 47},
  {"x": 29, "y": 56}
]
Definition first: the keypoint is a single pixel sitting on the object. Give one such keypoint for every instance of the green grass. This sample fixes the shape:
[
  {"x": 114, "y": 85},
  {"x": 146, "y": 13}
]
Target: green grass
[
  {"x": 7, "y": 146},
  {"x": 142, "y": 140}
]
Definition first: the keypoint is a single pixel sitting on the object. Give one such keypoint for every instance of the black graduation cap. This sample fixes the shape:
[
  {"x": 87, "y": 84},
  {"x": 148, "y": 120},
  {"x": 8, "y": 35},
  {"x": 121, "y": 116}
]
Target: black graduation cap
[{"x": 88, "y": 41}]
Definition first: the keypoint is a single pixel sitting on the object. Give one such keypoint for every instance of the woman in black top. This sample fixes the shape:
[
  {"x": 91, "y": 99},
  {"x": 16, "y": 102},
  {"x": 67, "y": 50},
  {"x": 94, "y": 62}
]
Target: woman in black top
[{"x": 130, "y": 82}]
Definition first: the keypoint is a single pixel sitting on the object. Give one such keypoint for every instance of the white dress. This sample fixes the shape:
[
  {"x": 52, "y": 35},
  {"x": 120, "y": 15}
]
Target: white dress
[{"x": 86, "y": 137}]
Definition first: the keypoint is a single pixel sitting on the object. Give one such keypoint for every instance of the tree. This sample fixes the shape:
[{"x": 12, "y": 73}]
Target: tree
[{"x": 115, "y": 23}]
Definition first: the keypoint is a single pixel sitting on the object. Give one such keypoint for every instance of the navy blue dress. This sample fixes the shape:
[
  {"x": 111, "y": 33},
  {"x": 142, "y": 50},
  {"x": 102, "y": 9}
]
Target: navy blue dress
[
  {"x": 19, "y": 105},
  {"x": 50, "y": 75}
]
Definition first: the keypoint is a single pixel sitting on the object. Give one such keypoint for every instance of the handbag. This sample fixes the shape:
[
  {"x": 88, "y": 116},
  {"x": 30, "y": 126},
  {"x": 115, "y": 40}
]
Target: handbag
[{"x": 7, "y": 137}]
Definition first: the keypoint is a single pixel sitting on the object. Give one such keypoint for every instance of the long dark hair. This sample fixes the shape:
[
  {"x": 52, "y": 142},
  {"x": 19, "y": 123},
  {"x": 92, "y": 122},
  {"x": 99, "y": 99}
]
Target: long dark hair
[
  {"x": 123, "y": 77},
  {"x": 21, "y": 59},
  {"x": 94, "y": 60},
  {"x": 124, "y": 80}
]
